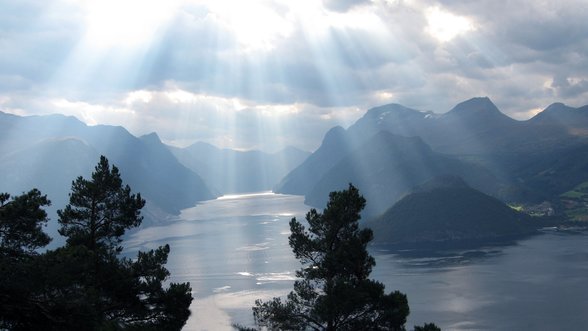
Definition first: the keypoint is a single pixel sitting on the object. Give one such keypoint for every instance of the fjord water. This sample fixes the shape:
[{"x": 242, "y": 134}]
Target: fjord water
[{"x": 235, "y": 249}]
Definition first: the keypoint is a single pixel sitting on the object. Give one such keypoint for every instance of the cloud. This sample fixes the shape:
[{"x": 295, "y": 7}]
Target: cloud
[
  {"x": 181, "y": 118},
  {"x": 343, "y": 5},
  {"x": 566, "y": 87},
  {"x": 238, "y": 74}
]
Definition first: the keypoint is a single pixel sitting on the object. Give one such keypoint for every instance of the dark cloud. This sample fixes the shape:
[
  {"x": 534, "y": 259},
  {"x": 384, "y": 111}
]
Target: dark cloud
[{"x": 565, "y": 87}]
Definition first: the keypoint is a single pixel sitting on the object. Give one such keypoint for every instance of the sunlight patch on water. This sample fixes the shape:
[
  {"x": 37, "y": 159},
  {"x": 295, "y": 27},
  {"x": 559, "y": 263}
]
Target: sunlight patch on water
[
  {"x": 221, "y": 289},
  {"x": 255, "y": 247},
  {"x": 266, "y": 204},
  {"x": 276, "y": 276},
  {"x": 245, "y": 195},
  {"x": 212, "y": 312}
]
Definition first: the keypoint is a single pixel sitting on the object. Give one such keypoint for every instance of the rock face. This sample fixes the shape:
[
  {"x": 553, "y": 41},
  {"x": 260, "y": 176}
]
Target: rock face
[{"x": 446, "y": 209}]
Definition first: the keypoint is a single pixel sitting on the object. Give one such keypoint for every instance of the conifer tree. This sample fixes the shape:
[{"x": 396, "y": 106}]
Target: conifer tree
[
  {"x": 333, "y": 291},
  {"x": 113, "y": 292},
  {"x": 100, "y": 210},
  {"x": 85, "y": 285},
  {"x": 21, "y": 234}
]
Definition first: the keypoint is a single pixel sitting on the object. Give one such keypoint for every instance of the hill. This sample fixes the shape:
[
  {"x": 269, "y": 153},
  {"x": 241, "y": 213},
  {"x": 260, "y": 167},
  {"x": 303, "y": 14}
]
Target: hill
[{"x": 445, "y": 210}]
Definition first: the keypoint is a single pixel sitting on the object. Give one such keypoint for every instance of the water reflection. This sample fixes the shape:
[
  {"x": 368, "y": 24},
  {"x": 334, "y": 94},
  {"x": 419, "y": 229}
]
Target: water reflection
[
  {"x": 235, "y": 250},
  {"x": 232, "y": 250},
  {"x": 435, "y": 259}
]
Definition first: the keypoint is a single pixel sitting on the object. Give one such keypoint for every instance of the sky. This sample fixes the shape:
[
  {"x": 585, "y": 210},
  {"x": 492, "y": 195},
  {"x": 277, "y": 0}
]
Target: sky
[{"x": 256, "y": 74}]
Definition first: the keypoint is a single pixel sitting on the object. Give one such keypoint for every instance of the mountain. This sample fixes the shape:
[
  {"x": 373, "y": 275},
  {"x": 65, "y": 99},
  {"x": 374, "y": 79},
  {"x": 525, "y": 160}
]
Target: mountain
[
  {"x": 477, "y": 129},
  {"x": 575, "y": 120},
  {"x": 336, "y": 144},
  {"x": 388, "y": 166},
  {"x": 470, "y": 127},
  {"x": 446, "y": 209},
  {"x": 49, "y": 152},
  {"x": 530, "y": 161},
  {"x": 230, "y": 171},
  {"x": 156, "y": 171}
]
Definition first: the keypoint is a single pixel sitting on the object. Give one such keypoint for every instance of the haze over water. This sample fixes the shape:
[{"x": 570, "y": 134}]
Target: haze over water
[{"x": 235, "y": 249}]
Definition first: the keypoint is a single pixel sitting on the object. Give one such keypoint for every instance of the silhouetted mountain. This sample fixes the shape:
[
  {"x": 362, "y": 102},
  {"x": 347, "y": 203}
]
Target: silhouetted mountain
[
  {"x": 387, "y": 166},
  {"x": 62, "y": 148},
  {"x": 470, "y": 127},
  {"x": 447, "y": 210},
  {"x": 477, "y": 112},
  {"x": 230, "y": 171},
  {"x": 575, "y": 120},
  {"x": 396, "y": 119},
  {"x": 170, "y": 184},
  {"x": 336, "y": 144},
  {"x": 531, "y": 161}
]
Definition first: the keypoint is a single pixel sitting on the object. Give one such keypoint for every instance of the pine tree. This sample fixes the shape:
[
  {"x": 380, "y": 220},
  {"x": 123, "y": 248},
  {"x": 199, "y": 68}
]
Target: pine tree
[
  {"x": 110, "y": 292},
  {"x": 21, "y": 234},
  {"x": 333, "y": 291},
  {"x": 21, "y": 222},
  {"x": 100, "y": 210}
]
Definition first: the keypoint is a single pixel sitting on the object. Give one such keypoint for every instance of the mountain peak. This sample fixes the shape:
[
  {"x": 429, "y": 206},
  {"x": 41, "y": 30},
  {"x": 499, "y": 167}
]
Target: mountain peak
[
  {"x": 562, "y": 114},
  {"x": 478, "y": 104},
  {"x": 151, "y": 137},
  {"x": 557, "y": 107},
  {"x": 334, "y": 133},
  {"x": 480, "y": 112},
  {"x": 394, "y": 113},
  {"x": 392, "y": 107}
]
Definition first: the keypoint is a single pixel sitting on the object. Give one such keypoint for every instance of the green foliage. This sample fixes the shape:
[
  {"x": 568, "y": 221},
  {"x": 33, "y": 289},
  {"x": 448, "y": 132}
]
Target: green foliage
[
  {"x": 21, "y": 234},
  {"x": 21, "y": 222},
  {"x": 575, "y": 202},
  {"x": 333, "y": 291},
  {"x": 100, "y": 209},
  {"x": 85, "y": 285}
]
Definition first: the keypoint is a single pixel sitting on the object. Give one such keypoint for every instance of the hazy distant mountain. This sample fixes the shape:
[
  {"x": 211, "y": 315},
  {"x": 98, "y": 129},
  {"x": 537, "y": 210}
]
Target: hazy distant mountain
[
  {"x": 49, "y": 165},
  {"x": 387, "y": 166},
  {"x": 231, "y": 171},
  {"x": 447, "y": 209},
  {"x": 50, "y": 151}
]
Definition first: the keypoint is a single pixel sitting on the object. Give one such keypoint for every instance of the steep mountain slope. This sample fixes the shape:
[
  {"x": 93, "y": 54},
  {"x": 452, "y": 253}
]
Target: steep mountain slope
[
  {"x": 145, "y": 165},
  {"x": 532, "y": 160},
  {"x": 387, "y": 166},
  {"x": 447, "y": 209},
  {"x": 230, "y": 171},
  {"x": 336, "y": 144}
]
